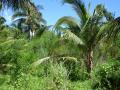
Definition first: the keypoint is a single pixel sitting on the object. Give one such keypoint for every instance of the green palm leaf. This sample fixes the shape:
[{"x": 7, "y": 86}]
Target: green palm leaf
[
  {"x": 19, "y": 14},
  {"x": 66, "y": 20},
  {"x": 80, "y": 9},
  {"x": 40, "y": 61},
  {"x": 71, "y": 36},
  {"x": 16, "y": 4}
]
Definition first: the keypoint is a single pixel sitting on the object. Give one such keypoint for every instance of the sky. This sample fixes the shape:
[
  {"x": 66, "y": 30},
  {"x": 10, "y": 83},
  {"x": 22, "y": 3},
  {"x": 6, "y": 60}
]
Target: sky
[{"x": 54, "y": 9}]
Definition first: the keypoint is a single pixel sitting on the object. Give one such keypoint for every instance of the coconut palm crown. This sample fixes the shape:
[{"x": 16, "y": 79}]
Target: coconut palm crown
[{"x": 15, "y": 4}]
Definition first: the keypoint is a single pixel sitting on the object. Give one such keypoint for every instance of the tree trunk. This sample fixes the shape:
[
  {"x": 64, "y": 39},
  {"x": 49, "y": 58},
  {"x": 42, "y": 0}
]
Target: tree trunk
[
  {"x": 89, "y": 61},
  {"x": 31, "y": 34}
]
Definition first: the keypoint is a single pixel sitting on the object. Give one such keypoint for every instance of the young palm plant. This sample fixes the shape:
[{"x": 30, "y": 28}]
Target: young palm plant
[{"x": 90, "y": 30}]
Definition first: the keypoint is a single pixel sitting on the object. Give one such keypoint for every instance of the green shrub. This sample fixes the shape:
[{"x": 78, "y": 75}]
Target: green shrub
[
  {"x": 107, "y": 76},
  {"x": 57, "y": 78},
  {"x": 77, "y": 70}
]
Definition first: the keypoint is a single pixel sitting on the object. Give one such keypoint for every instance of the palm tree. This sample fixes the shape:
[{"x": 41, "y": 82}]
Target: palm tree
[
  {"x": 90, "y": 30},
  {"x": 29, "y": 19},
  {"x": 15, "y": 4}
]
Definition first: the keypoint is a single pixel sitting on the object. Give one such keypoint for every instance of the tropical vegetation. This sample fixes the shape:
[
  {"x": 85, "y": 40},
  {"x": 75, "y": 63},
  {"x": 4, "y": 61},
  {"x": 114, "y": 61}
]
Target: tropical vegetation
[{"x": 73, "y": 54}]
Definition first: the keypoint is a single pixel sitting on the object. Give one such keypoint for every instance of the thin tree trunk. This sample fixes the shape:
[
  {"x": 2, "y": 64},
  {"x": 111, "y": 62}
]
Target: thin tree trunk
[
  {"x": 31, "y": 34},
  {"x": 89, "y": 62}
]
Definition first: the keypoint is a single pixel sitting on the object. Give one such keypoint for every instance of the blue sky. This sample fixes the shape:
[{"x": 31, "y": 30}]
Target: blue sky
[{"x": 54, "y": 9}]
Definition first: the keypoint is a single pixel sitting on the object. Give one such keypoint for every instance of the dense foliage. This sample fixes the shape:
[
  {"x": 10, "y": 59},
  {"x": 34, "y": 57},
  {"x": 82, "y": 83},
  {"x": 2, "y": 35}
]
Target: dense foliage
[{"x": 83, "y": 55}]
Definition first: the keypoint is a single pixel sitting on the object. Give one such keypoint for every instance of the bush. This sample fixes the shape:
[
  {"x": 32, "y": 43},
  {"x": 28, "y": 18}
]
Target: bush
[
  {"x": 107, "y": 76},
  {"x": 57, "y": 78},
  {"x": 77, "y": 70}
]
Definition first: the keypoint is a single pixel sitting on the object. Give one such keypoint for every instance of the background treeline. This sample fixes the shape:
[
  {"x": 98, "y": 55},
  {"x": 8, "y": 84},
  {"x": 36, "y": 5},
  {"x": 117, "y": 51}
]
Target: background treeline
[{"x": 73, "y": 54}]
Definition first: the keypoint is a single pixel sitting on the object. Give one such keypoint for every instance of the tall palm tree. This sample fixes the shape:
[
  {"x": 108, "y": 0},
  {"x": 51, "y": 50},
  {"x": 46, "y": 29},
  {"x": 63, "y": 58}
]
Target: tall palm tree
[
  {"x": 30, "y": 18},
  {"x": 90, "y": 30},
  {"x": 15, "y": 4}
]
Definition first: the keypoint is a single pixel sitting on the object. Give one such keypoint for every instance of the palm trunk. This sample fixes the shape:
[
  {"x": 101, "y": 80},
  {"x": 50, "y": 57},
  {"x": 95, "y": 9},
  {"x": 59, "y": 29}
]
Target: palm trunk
[
  {"x": 31, "y": 34},
  {"x": 89, "y": 61}
]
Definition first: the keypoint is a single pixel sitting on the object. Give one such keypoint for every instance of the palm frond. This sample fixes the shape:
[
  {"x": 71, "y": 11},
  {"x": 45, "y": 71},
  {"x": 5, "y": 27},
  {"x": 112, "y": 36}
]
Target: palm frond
[
  {"x": 43, "y": 21},
  {"x": 18, "y": 23},
  {"x": 115, "y": 27},
  {"x": 80, "y": 9},
  {"x": 40, "y": 61},
  {"x": 71, "y": 36},
  {"x": 102, "y": 12},
  {"x": 16, "y": 4},
  {"x": 110, "y": 29},
  {"x": 66, "y": 20},
  {"x": 20, "y": 20},
  {"x": 102, "y": 32},
  {"x": 19, "y": 14}
]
